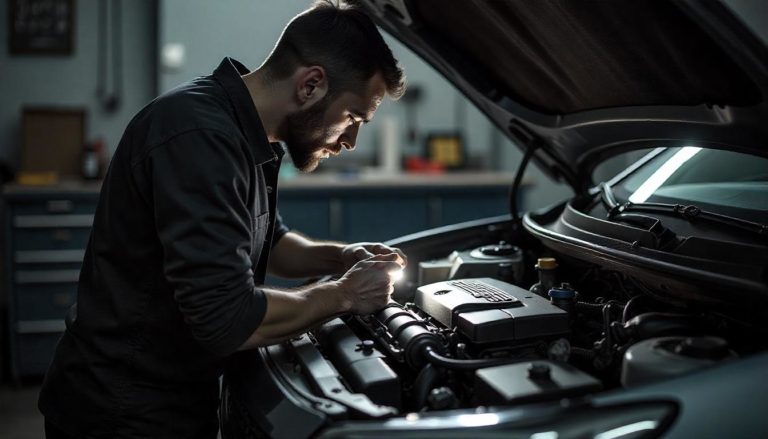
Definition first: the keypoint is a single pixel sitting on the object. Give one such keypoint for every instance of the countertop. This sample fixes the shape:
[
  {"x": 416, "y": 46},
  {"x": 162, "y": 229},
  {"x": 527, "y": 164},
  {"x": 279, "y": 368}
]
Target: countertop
[
  {"x": 371, "y": 180},
  {"x": 322, "y": 181}
]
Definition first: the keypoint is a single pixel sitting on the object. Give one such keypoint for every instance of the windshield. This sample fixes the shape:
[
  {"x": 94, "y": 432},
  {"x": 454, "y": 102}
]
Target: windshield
[{"x": 721, "y": 181}]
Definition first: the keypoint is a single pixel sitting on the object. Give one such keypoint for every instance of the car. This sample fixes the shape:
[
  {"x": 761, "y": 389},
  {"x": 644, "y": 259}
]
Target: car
[{"x": 636, "y": 308}]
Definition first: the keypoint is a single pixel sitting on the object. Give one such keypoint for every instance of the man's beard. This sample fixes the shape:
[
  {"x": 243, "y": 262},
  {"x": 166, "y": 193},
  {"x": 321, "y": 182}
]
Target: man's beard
[{"x": 304, "y": 135}]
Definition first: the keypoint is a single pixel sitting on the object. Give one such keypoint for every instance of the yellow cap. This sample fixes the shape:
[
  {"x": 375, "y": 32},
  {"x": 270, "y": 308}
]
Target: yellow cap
[{"x": 546, "y": 264}]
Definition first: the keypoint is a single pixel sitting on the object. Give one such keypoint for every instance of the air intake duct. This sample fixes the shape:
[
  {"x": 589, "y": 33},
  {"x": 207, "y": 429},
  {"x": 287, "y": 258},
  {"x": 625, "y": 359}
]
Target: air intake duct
[{"x": 410, "y": 333}]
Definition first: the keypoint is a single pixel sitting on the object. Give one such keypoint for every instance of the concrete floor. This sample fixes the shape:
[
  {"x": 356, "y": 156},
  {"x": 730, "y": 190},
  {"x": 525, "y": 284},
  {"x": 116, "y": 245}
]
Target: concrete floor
[{"x": 19, "y": 418}]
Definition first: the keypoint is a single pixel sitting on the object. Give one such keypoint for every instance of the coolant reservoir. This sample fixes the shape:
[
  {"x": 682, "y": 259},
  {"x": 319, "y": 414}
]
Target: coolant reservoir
[
  {"x": 661, "y": 358},
  {"x": 500, "y": 261},
  {"x": 547, "y": 269}
]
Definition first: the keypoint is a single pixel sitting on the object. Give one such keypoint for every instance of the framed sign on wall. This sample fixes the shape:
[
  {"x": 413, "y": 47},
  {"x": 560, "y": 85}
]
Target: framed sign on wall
[{"x": 43, "y": 27}]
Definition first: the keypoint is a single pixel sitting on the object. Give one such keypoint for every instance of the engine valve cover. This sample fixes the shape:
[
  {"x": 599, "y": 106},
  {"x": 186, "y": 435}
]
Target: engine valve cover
[{"x": 488, "y": 310}]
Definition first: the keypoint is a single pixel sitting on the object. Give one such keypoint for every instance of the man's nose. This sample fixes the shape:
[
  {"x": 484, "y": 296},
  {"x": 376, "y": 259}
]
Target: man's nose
[{"x": 349, "y": 137}]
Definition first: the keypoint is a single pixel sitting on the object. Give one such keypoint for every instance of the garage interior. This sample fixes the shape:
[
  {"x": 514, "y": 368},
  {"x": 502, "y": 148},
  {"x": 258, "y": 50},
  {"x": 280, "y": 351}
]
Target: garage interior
[{"x": 430, "y": 160}]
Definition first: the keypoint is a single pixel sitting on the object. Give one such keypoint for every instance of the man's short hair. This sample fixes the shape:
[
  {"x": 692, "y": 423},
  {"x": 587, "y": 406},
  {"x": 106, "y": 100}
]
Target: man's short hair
[{"x": 341, "y": 38}]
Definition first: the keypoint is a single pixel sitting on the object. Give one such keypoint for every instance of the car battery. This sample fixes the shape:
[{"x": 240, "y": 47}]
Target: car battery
[{"x": 530, "y": 382}]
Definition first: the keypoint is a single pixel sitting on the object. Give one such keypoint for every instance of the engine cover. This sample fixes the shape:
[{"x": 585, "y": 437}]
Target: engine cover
[{"x": 488, "y": 310}]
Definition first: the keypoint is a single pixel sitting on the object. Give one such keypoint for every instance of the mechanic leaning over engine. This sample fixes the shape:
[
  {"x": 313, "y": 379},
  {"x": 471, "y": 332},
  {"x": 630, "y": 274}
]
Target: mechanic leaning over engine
[{"x": 186, "y": 229}]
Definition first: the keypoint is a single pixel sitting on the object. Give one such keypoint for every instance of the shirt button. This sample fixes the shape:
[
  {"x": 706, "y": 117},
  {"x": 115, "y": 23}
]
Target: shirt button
[{"x": 269, "y": 189}]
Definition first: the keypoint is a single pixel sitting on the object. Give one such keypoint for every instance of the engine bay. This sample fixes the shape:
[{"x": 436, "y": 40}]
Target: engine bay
[{"x": 496, "y": 325}]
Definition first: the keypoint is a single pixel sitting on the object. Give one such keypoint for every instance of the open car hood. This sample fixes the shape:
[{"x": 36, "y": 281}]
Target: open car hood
[{"x": 581, "y": 82}]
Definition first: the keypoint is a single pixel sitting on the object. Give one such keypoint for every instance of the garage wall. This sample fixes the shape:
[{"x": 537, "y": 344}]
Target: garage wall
[
  {"x": 71, "y": 80},
  {"x": 208, "y": 31}
]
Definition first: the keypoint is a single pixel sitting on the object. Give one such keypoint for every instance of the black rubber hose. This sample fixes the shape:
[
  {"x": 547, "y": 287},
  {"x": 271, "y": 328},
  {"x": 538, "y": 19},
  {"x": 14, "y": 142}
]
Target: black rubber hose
[
  {"x": 656, "y": 324},
  {"x": 456, "y": 364},
  {"x": 628, "y": 307},
  {"x": 424, "y": 382},
  {"x": 592, "y": 309}
]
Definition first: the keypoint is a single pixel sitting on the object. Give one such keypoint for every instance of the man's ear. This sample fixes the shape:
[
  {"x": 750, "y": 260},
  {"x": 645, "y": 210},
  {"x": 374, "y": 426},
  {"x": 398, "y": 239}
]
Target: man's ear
[{"x": 311, "y": 85}]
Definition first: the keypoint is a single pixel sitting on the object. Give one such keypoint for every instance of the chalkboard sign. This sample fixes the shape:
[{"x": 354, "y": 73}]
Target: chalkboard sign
[{"x": 41, "y": 26}]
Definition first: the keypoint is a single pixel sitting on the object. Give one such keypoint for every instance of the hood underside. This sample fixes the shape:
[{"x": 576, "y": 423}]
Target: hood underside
[{"x": 583, "y": 81}]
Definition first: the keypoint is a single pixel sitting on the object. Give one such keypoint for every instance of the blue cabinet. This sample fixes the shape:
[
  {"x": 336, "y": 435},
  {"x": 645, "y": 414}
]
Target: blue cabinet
[
  {"x": 46, "y": 232},
  {"x": 352, "y": 214},
  {"x": 459, "y": 207},
  {"x": 308, "y": 212},
  {"x": 382, "y": 216}
]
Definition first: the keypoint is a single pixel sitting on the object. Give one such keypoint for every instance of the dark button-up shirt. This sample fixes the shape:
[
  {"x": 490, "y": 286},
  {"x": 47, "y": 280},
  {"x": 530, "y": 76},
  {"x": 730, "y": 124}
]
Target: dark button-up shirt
[{"x": 170, "y": 282}]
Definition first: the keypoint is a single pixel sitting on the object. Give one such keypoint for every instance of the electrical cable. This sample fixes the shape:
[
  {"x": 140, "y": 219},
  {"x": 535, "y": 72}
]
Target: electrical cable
[
  {"x": 101, "y": 54},
  {"x": 110, "y": 43},
  {"x": 117, "y": 52}
]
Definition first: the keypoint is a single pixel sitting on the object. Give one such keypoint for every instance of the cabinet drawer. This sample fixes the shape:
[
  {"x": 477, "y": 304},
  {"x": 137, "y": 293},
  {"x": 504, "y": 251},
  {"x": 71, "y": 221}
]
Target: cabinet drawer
[
  {"x": 52, "y": 221},
  {"x": 51, "y": 238},
  {"x": 56, "y": 276},
  {"x": 56, "y": 206},
  {"x": 47, "y": 257},
  {"x": 34, "y": 352},
  {"x": 44, "y": 301}
]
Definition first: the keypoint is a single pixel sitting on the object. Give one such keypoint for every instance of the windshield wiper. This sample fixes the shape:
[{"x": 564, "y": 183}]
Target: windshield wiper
[{"x": 688, "y": 212}]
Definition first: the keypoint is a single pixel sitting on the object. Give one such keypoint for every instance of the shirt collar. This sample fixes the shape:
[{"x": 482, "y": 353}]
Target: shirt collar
[{"x": 228, "y": 74}]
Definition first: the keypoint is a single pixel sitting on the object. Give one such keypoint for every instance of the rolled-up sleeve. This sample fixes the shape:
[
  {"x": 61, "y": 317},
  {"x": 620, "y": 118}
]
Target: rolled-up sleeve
[{"x": 200, "y": 188}]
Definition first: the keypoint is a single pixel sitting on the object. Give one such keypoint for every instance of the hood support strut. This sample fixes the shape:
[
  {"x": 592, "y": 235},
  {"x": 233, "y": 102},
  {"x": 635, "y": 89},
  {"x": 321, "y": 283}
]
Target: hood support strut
[{"x": 532, "y": 146}]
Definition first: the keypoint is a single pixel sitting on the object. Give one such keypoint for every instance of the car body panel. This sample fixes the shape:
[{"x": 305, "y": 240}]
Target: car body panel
[{"x": 571, "y": 143}]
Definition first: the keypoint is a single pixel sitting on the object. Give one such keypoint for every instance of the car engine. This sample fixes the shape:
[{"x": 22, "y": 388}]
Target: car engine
[
  {"x": 489, "y": 318},
  {"x": 479, "y": 327}
]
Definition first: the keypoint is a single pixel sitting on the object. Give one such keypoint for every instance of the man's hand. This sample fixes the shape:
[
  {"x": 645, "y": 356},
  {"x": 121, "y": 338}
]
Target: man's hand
[
  {"x": 353, "y": 253},
  {"x": 366, "y": 287},
  {"x": 295, "y": 256}
]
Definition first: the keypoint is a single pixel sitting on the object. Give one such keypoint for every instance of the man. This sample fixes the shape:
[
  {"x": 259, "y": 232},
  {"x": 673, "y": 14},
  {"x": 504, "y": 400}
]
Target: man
[{"x": 186, "y": 229}]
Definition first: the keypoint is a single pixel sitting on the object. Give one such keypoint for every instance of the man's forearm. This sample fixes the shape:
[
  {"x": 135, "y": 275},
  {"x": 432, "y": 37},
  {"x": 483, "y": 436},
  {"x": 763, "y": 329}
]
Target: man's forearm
[
  {"x": 363, "y": 289},
  {"x": 290, "y": 313},
  {"x": 295, "y": 256}
]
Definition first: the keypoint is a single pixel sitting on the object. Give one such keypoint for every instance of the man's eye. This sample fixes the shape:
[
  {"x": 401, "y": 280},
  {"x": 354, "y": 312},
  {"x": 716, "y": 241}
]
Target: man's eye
[{"x": 352, "y": 120}]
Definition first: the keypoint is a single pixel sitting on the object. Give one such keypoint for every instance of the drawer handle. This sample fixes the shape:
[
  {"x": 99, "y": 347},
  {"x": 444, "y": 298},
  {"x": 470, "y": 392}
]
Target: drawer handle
[
  {"x": 60, "y": 206},
  {"x": 63, "y": 300},
  {"x": 62, "y": 235}
]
